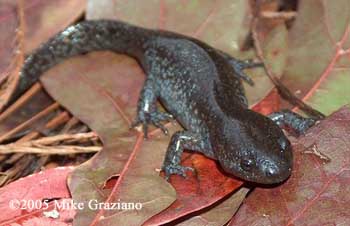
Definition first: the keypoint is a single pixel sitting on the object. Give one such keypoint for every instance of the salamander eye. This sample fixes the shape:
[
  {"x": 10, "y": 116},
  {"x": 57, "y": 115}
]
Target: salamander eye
[{"x": 247, "y": 164}]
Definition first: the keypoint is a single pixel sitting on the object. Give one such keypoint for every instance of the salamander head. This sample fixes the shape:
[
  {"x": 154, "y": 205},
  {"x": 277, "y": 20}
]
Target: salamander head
[{"x": 255, "y": 149}]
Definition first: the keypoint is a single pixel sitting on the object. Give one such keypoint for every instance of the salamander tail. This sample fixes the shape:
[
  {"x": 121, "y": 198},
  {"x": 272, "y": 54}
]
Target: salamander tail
[{"x": 78, "y": 39}]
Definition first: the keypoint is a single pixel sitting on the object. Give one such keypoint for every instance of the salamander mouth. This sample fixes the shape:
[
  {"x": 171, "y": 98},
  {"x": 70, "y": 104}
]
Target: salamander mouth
[
  {"x": 263, "y": 180},
  {"x": 268, "y": 173}
]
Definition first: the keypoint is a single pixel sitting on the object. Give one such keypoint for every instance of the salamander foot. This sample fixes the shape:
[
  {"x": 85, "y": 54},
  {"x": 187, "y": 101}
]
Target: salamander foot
[
  {"x": 176, "y": 169},
  {"x": 155, "y": 118}
]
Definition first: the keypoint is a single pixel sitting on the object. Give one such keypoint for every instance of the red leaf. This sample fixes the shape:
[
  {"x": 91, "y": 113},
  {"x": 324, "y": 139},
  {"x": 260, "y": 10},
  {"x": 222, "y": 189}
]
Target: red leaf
[
  {"x": 269, "y": 104},
  {"x": 47, "y": 184},
  {"x": 317, "y": 192},
  {"x": 197, "y": 191}
]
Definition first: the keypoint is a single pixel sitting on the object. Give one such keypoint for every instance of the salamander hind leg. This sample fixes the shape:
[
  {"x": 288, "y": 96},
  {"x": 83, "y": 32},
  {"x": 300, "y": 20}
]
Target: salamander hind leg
[
  {"x": 239, "y": 65},
  {"x": 179, "y": 141},
  {"x": 147, "y": 110}
]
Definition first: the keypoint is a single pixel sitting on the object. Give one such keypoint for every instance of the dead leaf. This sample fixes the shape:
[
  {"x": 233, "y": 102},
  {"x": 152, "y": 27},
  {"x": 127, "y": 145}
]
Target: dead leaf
[
  {"x": 219, "y": 214},
  {"x": 318, "y": 59},
  {"x": 25, "y": 25},
  {"x": 18, "y": 198}
]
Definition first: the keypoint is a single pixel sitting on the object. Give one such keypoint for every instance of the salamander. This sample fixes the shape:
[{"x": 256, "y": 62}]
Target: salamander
[{"x": 199, "y": 86}]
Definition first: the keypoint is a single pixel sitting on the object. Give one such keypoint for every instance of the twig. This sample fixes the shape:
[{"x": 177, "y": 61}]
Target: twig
[
  {"x": 70, "y": 124},
  {"x": 66, "y": 138},
  {"x": 48, "y": 145},
  {"x": 3, "y": 178},
  {"x": 48, "y": 150},
  {"x": 314, "y": 150},
  {"x": 21, "y": 100},
  {"x": 49, "y": 126},
  {"x": 23, "y": 160},
  {"x": 58, "y": 120},
  {"x": 278, "y": 15},
  {"x": 41, "y": 114}
]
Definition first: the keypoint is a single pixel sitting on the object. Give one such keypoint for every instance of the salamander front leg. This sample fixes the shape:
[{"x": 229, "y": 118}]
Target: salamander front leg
[
  {"x": 292, "y": 120},
  {"x": 147, "y": 110},
  {"x": 179, "y": 141}
]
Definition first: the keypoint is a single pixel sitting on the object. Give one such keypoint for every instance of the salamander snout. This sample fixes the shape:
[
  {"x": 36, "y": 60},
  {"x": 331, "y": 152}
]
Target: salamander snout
[
  {"x": 269, "y": 169},
  {"x": 275, "y": 172}
]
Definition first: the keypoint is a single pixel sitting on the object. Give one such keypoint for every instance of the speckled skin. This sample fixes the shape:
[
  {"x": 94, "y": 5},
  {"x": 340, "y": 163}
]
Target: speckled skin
[{"x": 198, "y": 85}]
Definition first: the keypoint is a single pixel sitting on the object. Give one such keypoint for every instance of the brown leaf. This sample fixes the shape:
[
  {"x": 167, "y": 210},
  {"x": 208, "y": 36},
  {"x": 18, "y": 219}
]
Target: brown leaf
[
  {"x": 274, "y": 44},
  {"x": 221, "y": 213},
  {"x": 43, "y": 19},
  {"x": 318, "y": 60}
]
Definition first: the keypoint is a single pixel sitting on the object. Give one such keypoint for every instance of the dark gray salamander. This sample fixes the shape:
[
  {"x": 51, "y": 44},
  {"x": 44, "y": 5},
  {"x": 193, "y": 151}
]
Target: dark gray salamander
[{"x": 199, "y": 85}]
